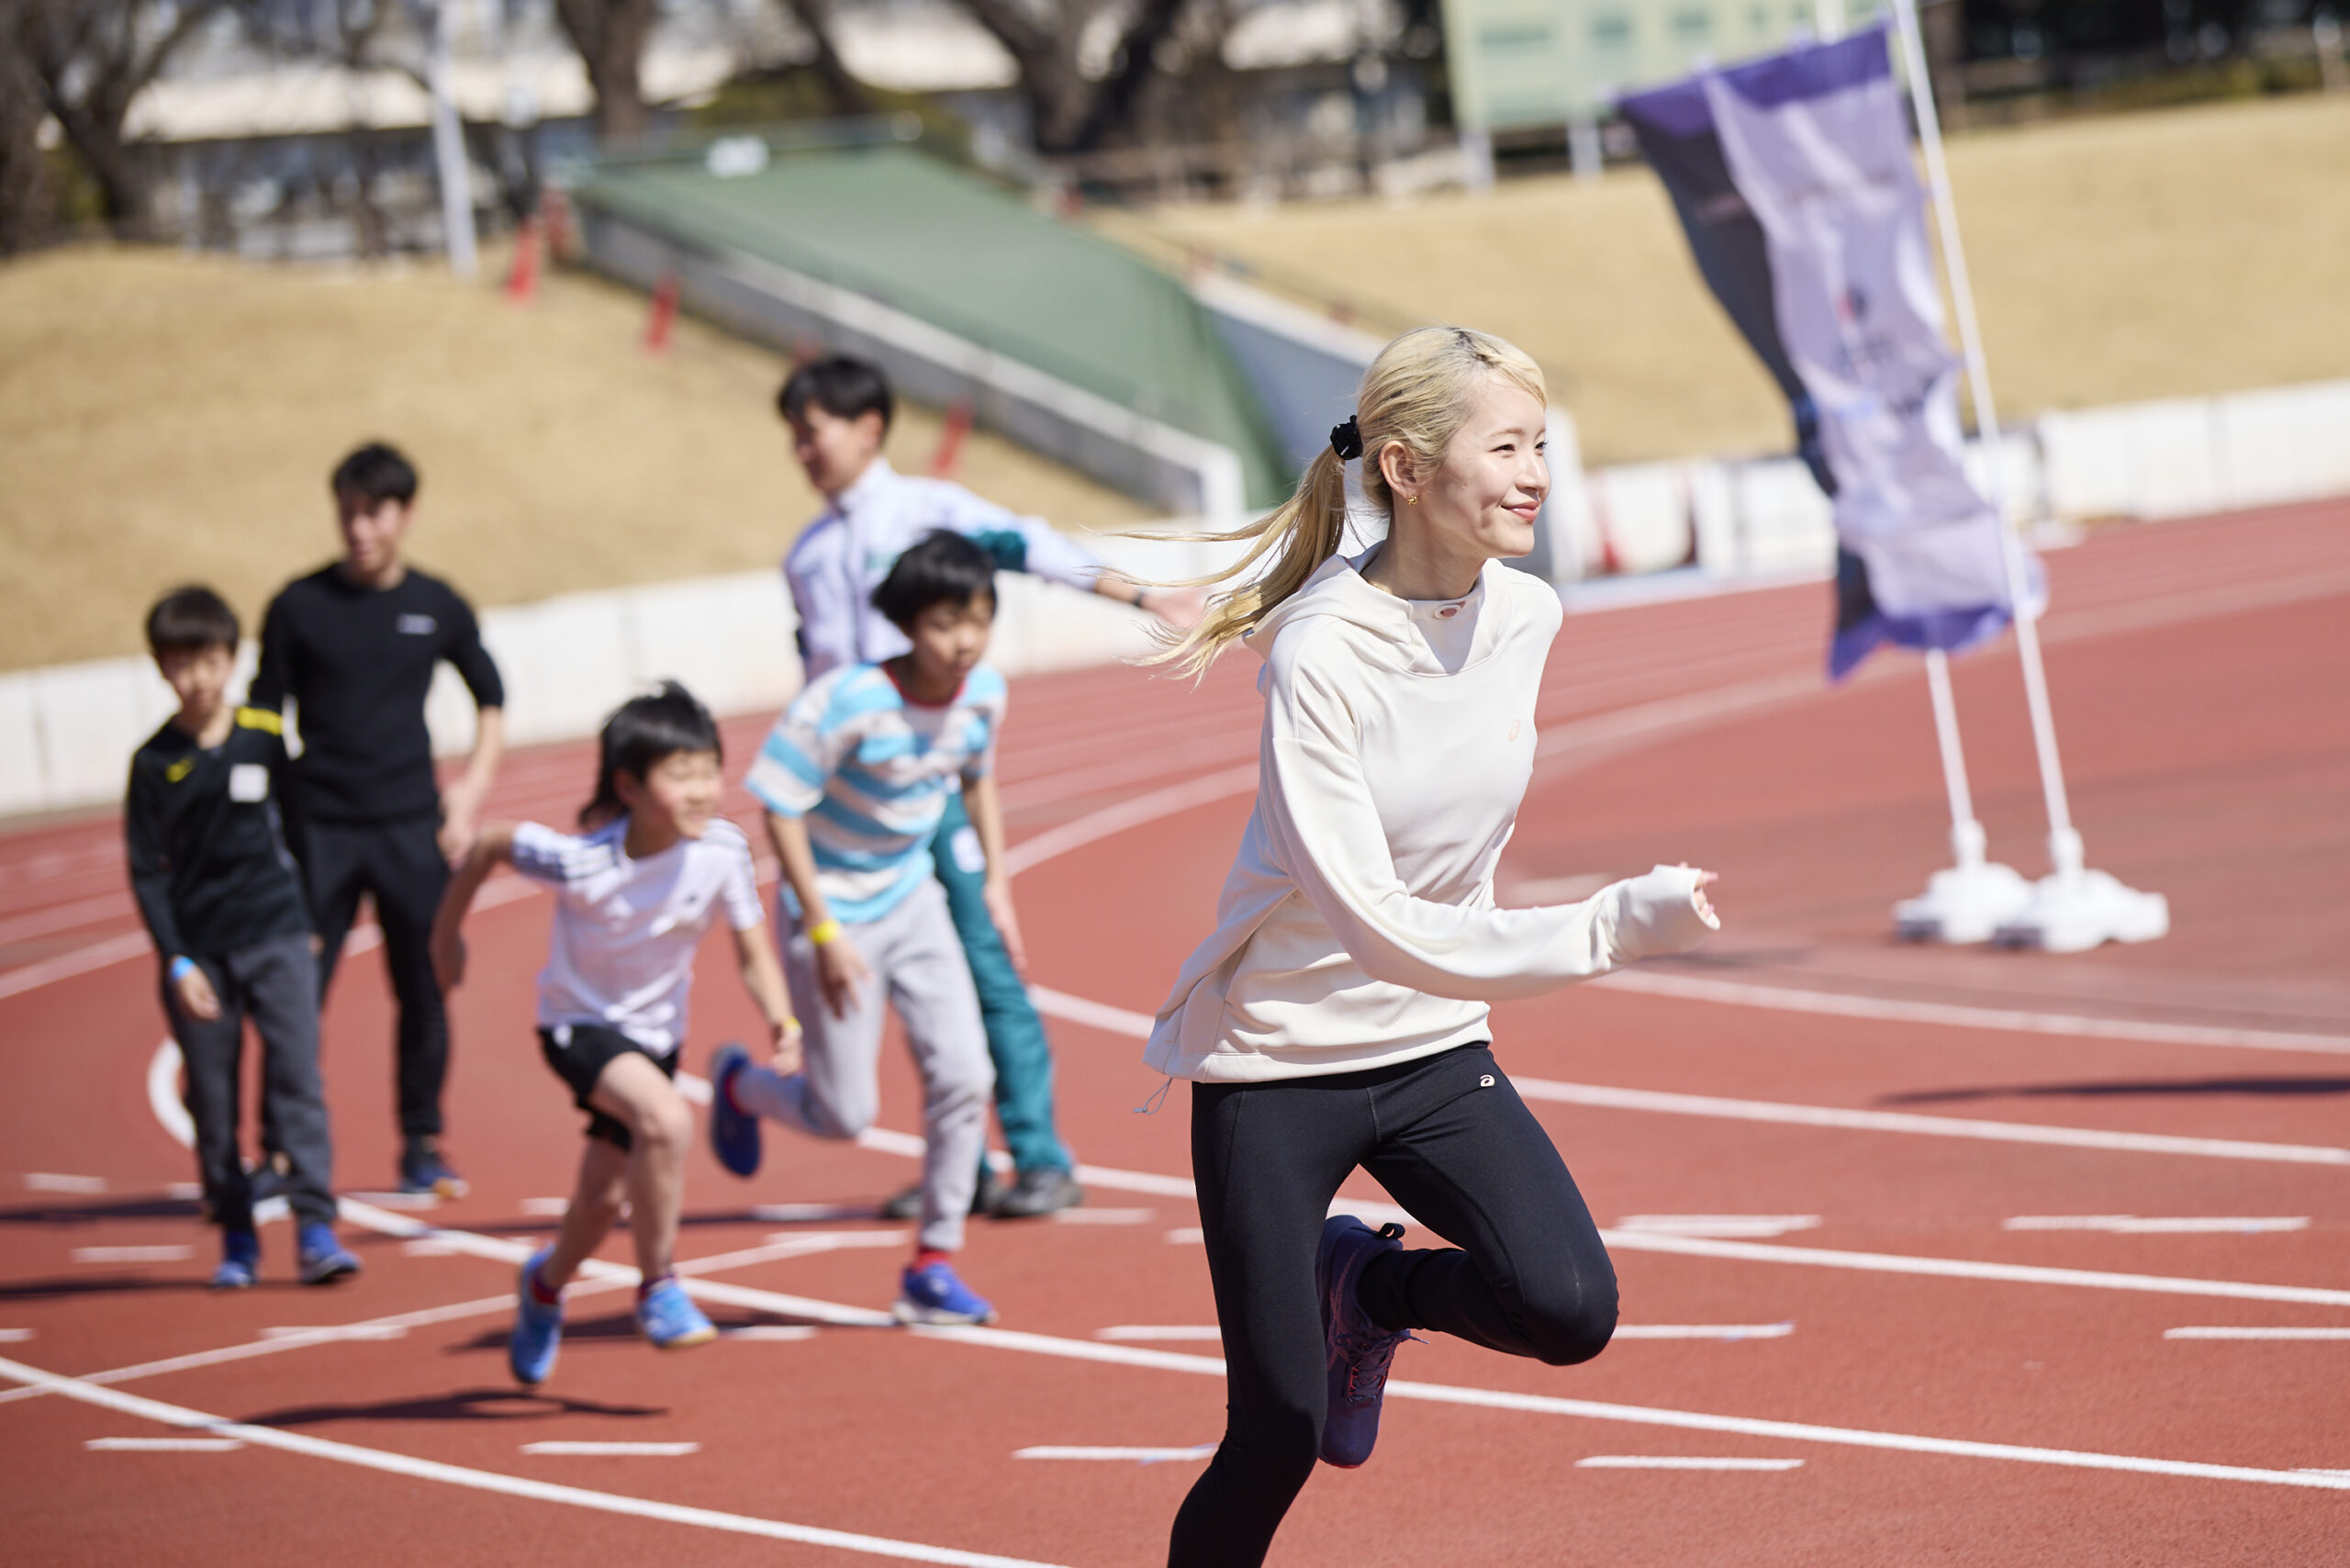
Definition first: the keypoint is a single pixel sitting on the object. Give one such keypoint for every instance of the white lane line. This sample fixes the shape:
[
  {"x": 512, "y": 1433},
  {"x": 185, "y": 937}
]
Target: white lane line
[
  {"x": 1373, "y": 1211},
  {"x": 1126, "y": 1333},
  {"x": 1687, "y": 1246},
  {"x": 598, "y": 1277},
  {"x": 766, "y": 1331},
  {"x": 172, "y": 1254},
  {"x": 1611, "y": 1098},
  {"x": 428, "y": 1247},
  {"x": 805, "y": 1214},
  {"x": 1838, "y": 1004},
  {"x": 1754, "y": 1228},
  {"x": 162, "y": 1445},
  {"x": 507, "y": 1486},
  {"x": 2134, "y": 1224},
  {"x": 1135, "y": 1456},
  {"x": 1056, "y": 842},
  {"x": 1187, "y": 1236},
  {"x": 322, "y": 1335},
  {"x": 2221, "y": 1332},
  {"x": 615, "y": 1450},
  {"x": 1675, "y": 1462},
  {"x": 51, "y": 1182},
  {"x": 1960, "y": 1268},
  {"x": 1103, "y": 1217},
  {"x": 80, "y": 961},
  {"x": 163, "y": 1094},
  {"x": 1137, "y": 1026},
  {"x": 1211, "y": 1366},
  {"x": 539, "y": 1208},
  {"x": 1729, "y": 1332},
  {"x": 15, "y": 1336}
]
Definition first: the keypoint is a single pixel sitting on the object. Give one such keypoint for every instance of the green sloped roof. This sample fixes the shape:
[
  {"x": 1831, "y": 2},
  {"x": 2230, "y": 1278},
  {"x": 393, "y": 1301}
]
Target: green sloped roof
[{"x": 949, "y": 249}]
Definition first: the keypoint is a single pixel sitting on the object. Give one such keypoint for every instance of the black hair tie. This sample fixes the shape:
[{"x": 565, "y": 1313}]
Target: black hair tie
[{"x": 1345, "y": 440}]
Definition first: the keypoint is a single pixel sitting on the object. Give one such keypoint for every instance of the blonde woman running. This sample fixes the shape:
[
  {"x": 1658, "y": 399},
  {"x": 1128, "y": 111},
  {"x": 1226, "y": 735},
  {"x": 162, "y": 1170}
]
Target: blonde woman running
[{"x": 1338, "y": 1016}]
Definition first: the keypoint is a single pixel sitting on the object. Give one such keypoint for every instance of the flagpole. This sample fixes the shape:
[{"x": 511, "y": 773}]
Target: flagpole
[{"x": 2074, "y": 908}]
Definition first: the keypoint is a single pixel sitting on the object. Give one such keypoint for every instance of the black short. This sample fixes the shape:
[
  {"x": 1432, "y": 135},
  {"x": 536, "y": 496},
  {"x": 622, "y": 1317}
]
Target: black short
[{"x": 579, "y": 1053}]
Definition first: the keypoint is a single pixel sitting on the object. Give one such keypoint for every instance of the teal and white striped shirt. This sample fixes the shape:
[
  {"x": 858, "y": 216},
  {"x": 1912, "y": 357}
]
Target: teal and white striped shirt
[{"x": 870, "y": 771}]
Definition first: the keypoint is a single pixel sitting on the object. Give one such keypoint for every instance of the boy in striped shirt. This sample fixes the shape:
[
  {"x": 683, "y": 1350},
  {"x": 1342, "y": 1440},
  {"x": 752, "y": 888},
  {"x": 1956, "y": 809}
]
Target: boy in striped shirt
[{"x": 856, "y": 776}]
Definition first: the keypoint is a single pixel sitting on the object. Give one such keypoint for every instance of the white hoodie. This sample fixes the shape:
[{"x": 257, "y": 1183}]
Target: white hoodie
[{"x": 1358, "y": 925}]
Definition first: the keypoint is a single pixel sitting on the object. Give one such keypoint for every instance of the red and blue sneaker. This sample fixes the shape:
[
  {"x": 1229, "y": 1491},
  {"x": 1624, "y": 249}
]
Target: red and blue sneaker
[
  {"x": 734, "y": 1134},
  {"x": 933, "y": 1293},
  {"x": 538, "y": 1326},
  {"x": 1359, "y": 1350}
]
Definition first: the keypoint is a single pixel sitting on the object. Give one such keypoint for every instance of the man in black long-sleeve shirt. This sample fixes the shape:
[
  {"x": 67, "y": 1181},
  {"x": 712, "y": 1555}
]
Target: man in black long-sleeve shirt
[
  {"x": 214, "y": 882},
  {"x": 355, "y": 644}
]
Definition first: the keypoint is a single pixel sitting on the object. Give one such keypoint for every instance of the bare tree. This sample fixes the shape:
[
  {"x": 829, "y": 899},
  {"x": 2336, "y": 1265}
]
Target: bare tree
[
  {"x": 849, "y": 96},
  {"x": 1070, "y": 108},
  {"x": 28, "y": 199},
  {"x": 92, "y": 58},
  {"x": 610, "y": 36}
]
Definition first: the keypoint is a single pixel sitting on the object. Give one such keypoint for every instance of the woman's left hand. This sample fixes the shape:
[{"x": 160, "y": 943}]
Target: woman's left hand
[{"x": 1705, "y": 905}]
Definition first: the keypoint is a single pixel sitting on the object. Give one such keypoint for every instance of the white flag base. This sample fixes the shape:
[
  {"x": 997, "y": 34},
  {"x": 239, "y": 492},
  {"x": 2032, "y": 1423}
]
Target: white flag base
[
  {"x": 2072, "y": 910},
  {"x": 1963, "y": 903},
  {"x": 1966, "y": 901}
]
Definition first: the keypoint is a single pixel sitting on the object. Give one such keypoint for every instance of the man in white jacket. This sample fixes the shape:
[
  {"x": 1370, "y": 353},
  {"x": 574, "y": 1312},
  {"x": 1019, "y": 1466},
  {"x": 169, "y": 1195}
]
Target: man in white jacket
[{"x": 1338, "y": 1018}]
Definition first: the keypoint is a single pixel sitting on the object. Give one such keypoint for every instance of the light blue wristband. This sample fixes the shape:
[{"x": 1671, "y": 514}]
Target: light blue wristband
[{"x": 182, "y": 966}]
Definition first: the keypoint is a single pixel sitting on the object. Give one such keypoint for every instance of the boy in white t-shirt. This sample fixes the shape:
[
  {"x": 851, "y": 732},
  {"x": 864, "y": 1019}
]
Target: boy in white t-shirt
[{"x": 635, "y": 894}]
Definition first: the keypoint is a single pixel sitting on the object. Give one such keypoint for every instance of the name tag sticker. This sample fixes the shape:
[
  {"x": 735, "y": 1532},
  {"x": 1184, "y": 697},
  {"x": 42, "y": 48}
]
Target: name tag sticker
[
  {"x": 417, "y": 626},
  {"x": 249, "y": 782}
]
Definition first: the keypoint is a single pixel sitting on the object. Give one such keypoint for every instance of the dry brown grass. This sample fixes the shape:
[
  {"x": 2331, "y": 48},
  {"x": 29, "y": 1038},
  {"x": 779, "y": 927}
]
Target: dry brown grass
[
  {"x": 2186, "y": 251},
  {"x": 167, "y": 419}
]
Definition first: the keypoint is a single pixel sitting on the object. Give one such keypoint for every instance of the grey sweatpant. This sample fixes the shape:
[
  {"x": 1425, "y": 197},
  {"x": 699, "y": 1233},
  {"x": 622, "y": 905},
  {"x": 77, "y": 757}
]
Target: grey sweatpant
[
  {"x": 275, "y": 983},
  {"x": 917, "y": 962}
]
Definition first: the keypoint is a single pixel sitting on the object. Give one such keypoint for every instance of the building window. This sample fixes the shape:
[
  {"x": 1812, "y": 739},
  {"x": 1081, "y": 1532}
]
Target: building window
[{"x": 1611, "y": 29}]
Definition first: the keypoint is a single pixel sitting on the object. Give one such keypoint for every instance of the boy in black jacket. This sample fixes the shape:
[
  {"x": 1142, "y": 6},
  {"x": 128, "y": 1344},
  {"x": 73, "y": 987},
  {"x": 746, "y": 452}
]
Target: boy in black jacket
[{"x": 209, "y": 868}]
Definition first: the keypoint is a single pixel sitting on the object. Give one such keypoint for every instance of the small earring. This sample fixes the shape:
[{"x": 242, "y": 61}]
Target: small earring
[{"x": 1410, "y": 500}]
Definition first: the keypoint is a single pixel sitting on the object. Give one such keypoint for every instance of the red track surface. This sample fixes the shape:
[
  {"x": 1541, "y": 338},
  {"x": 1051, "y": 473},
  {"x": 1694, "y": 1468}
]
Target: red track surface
[{"x": 2198, "y": 672}]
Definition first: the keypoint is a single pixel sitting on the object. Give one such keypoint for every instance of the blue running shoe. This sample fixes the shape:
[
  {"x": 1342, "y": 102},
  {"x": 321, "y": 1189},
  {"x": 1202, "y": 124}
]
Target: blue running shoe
[
  {"x": 538, "y": 1327},
  {"x": 1359, "y": 1350},
  {"x": 936, "y": 1293},
  {"x": 323, "y": 1259},
  {"x": 733, "y": 1135},
  {"x": 239, "y": 1261},
  {"x": 668, "y": 1317}
]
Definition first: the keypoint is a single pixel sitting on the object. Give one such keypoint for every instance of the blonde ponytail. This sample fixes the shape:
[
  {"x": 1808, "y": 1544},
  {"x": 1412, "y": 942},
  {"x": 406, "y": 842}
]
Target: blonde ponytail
[{"x": 1415, "y": 395}]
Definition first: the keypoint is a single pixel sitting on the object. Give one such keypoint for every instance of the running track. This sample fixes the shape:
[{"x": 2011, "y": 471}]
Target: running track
[{"x": 1922, "y": 1381}]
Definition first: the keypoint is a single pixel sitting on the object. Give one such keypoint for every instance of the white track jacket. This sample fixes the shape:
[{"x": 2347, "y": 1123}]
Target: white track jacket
[{"x": 1358, "y": 925}]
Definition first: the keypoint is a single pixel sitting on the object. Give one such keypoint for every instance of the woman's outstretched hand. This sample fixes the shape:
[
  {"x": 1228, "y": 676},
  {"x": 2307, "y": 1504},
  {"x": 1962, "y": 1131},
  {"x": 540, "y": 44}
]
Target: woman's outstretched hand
[{"x": 1705, "y": 905}]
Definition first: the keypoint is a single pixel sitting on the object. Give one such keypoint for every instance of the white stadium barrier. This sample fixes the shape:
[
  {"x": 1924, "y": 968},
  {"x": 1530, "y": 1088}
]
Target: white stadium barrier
[{"x": 570, "y": 660}]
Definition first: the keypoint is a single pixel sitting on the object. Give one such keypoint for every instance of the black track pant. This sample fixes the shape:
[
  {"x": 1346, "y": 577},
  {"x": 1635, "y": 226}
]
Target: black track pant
[
  {"x": 1450, "y": 1140},
  {"x": 275, "y": 983},
  {"x": 400, "y": 864}
]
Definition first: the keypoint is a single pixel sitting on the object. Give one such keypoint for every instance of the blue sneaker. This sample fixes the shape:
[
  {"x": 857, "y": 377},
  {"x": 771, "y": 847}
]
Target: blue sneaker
[
  {"x": 239, "y": 1261},
  {"x": 538, "y": 1327},
  {"x": 1359, "y": 1350},
  {"x": 937, "y": 1294},
  {"x": 733, "y": 1135},
  {"x": 323, "y": 1259},
  {"x": 668, "y": 1317}
]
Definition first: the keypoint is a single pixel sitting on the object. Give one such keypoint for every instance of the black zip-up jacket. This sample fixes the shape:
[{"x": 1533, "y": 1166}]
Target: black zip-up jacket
[{"x": 208, "y": 861}]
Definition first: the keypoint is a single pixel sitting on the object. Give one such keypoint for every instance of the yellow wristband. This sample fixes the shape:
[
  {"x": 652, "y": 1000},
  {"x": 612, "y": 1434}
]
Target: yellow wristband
[{"x": 824, "y": 931}]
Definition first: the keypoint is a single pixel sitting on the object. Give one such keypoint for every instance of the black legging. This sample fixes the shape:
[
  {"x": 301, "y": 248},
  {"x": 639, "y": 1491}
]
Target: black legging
[{"x": 1450, "y": 1140}]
